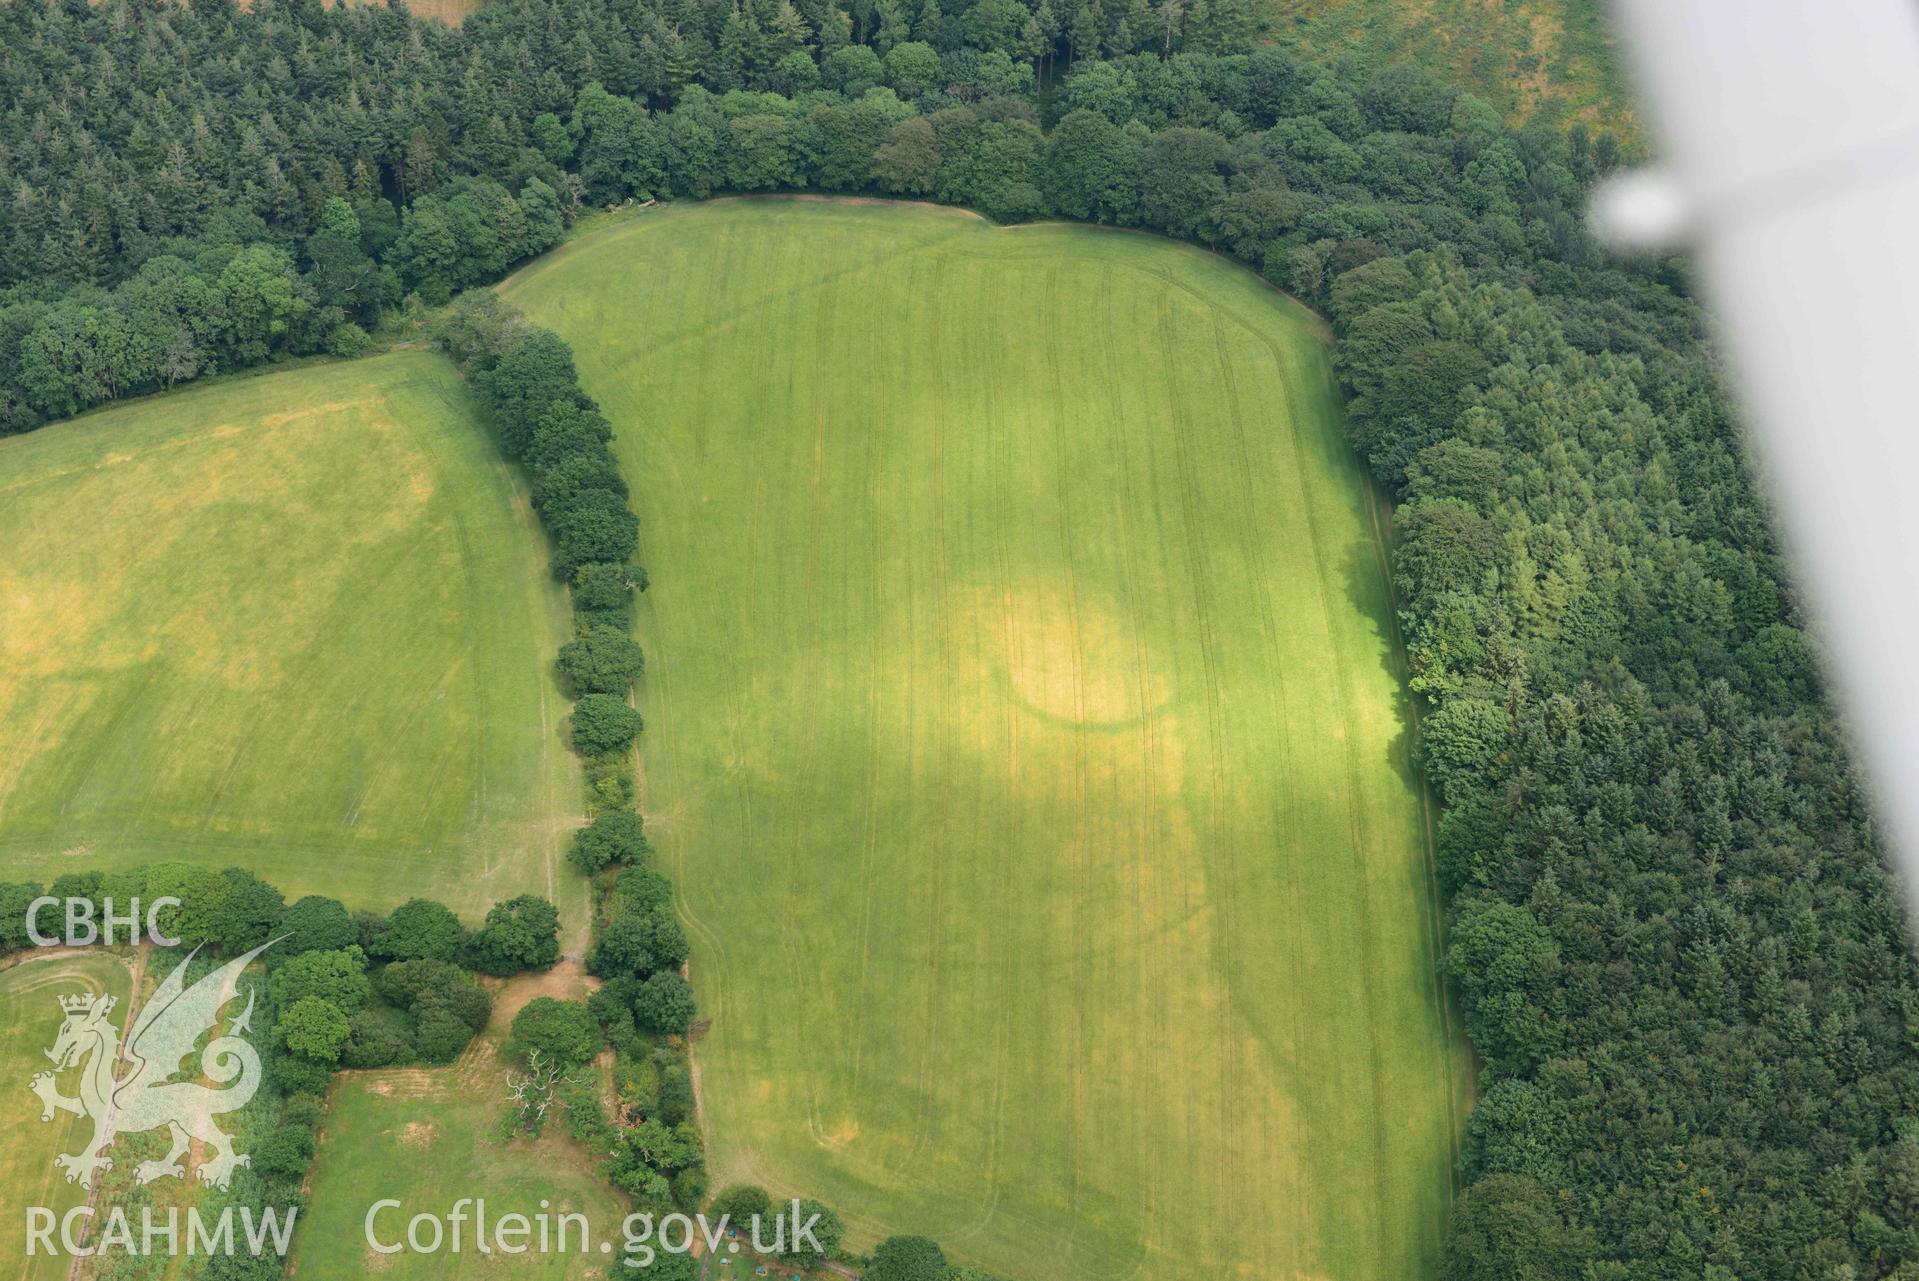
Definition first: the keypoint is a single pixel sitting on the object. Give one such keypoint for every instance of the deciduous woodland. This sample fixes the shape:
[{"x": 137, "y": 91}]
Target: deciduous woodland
[{"x": 1680, "y": 958}]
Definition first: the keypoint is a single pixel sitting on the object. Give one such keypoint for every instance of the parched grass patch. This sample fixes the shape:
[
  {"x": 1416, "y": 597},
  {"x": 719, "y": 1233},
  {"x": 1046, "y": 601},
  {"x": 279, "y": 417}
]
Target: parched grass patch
[
  {"x": 299, "y": 622},
  {"x": 451, "y": 12},
  {"x": 1552, "y": 60},
  {"x": 1026, "y": 738}
]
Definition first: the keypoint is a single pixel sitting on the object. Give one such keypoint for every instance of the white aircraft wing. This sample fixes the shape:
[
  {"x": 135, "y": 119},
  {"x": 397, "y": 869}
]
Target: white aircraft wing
[{"x": 1789, "y": 131}]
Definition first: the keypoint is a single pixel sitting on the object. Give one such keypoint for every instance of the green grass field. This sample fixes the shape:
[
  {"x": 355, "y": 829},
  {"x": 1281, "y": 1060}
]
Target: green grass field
[
  {"x": 1025, "y": 737},
  {"x": 428, "y": 1137},
  {"x": 30, "y": 1012},
  {"x": 1552, "y": 59},
  {"x": 299, "y": 622}
]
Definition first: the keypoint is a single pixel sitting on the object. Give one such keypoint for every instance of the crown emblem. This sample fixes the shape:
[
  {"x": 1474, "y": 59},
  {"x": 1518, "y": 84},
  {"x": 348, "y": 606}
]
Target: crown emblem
[{"x": 84, "y": 1002}]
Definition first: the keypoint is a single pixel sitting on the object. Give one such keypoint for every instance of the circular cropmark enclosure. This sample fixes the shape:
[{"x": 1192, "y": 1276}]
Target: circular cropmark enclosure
[{"x": 1026, "y": 735}]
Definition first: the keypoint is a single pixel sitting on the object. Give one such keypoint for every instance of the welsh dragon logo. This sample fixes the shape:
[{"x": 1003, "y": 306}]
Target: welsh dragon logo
[{"x": 161, "y": 1040}]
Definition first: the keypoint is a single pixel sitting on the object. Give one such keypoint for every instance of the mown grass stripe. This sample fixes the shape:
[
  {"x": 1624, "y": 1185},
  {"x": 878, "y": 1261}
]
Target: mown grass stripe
[{"x": 1056, "y": 666}]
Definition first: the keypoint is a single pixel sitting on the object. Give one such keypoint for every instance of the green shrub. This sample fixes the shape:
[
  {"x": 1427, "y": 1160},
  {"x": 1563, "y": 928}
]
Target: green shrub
[
  {"x": 828, "y": 1230},
  {"x": 314, "y": 1029},
  {"x": 641, "y": 889},
  {"x": 603, "y": 593},
  {"x": 439, "y": 1034},
  {"x": 338, "y": 977},
  {"x": 616, "y": 837},
  {"x": 421, "y": 929},
  {"x": 348, "y": 340},
  {"x": 742, "y": 1202},
  {"x": 603, "y": 661},
  {"x": 675, "y": 1101},
  {"x": 373, "y": 1042},
  {"x": 313, "y": 924},
  {"x": 411, "y": 984},
  {"x": 604, "y": 723},
  {"x": 520, "y": 934},
  {"x": 664, "y": 1004},
  {"x": 907, "y": 1259},
  {"x": 591, "y": 525},
  {"x": 402, "y": 982},
  {"x": 637, "y": 943},
  {"x": 467, "y": 1002},
  {"x": 291, "y": 1074},
  {"x": 564, "y": 1032},
  {"x": 302, "y": 1109},
  {"x": 285, "y": 1152}
]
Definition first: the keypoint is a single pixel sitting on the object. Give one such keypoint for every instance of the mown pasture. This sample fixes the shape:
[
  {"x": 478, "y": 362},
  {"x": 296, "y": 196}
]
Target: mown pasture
[
  {"x": 299, "y": 622},
  {"x": 1026, "y": 736}
]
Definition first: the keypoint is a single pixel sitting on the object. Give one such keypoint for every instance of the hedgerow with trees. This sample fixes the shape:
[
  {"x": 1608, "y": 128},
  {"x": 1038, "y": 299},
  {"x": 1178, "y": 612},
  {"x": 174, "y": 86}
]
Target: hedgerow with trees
[
  {"x": 653, "y": 1151},
  {"x": 1677, "y": 948}
]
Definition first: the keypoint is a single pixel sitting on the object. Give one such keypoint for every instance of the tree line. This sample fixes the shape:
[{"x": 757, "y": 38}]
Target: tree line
[
  {"x": 527, "y": 386},
  {"x": 1677, "y": 948},
  {"x": 262, "y": 182}
]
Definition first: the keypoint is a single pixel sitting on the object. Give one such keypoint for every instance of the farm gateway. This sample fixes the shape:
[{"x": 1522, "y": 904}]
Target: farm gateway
[{"x": 161, "y": 1233}]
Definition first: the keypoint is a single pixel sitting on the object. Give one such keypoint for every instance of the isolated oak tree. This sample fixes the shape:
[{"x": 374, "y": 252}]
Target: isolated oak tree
[{"x": 562, "y": 1031}]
